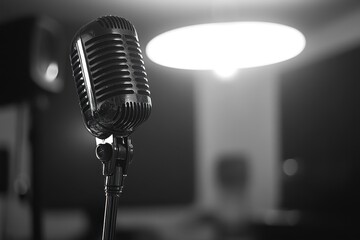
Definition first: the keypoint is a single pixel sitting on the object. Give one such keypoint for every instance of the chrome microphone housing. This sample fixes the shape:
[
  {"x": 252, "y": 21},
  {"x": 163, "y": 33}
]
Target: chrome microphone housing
[{"x": 110, "y": 77}]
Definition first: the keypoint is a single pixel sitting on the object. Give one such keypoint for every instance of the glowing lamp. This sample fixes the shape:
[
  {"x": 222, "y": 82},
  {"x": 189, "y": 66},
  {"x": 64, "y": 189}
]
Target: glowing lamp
[{"x": 225, "y": 47}]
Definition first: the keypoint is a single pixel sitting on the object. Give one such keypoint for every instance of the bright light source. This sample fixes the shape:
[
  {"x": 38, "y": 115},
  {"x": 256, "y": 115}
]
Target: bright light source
[
  {"x": 52, "y": 72},
  {"x": 225, "y": 73},
  {"x": 233, "y": 45}
]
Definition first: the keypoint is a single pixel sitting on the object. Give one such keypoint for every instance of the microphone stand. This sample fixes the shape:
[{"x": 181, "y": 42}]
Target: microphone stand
[{"x": 115, "y": 155}]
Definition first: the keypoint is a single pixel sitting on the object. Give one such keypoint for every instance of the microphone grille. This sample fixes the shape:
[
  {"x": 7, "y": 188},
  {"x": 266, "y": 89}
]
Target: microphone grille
[
  {"x": 110, "y": 77},
  {"x": 115, "y": 22},
  {"x": 132, "y": 114},
  {"x": 116, "y": 66}
]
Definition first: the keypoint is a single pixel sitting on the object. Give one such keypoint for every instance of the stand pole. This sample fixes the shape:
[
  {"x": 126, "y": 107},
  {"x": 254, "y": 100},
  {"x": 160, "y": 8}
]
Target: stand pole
[
  {"x": 112, "y": 193},
  {"x": 109, "y": 226},
  {"x": 115, "y": 158}
]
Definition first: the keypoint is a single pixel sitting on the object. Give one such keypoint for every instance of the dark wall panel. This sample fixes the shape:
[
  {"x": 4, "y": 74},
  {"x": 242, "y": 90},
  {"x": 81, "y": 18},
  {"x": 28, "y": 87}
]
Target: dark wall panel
[{"x": 320, "y": 123}]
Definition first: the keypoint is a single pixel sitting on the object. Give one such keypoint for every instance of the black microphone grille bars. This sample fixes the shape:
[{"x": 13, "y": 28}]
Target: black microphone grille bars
[{"x": 110, "y": 77}]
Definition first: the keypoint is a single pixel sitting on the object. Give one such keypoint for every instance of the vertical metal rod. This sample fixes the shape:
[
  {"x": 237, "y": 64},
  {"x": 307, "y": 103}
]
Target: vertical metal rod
[
  {"x": 112, "y": 192},
  {"x": 110, "y": 213}
]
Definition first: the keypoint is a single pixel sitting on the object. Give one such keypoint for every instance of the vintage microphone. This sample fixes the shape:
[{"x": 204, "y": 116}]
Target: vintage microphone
[{"x": 114, "y": 98}]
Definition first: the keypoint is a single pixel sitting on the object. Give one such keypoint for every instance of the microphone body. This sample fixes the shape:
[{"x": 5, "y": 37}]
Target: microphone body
[{"x": 110, "y": 77}]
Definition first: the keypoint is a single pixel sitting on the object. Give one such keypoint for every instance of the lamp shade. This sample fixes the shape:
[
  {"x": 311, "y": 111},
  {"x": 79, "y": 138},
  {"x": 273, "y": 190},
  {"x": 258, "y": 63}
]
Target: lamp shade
[{"x": 229, "y": 45}]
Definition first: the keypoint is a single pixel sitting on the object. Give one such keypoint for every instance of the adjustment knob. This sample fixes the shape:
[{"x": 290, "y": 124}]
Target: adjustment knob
[{"x": 104, "y": 152}]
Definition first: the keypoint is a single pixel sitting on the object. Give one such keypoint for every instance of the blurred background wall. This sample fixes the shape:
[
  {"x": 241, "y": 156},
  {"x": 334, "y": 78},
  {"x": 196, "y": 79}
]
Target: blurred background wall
[{"x": 177, "y": 187}]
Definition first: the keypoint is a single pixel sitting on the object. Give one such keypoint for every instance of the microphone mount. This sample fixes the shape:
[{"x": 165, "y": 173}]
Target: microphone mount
[{"x": 115, "y": 154}]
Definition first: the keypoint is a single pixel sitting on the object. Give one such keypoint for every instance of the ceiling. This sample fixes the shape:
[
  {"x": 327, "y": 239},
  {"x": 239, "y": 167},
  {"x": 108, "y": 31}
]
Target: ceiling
[{"x": 152, "y": 17}]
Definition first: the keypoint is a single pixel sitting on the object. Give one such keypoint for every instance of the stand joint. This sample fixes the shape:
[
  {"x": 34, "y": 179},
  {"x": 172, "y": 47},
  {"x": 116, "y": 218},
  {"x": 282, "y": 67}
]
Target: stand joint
[{"x": 115, "y": 154}]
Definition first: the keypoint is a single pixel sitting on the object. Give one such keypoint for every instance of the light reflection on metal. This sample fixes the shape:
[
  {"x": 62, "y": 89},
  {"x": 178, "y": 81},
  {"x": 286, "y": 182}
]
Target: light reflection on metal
[{"x": 86, "y": 75}]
